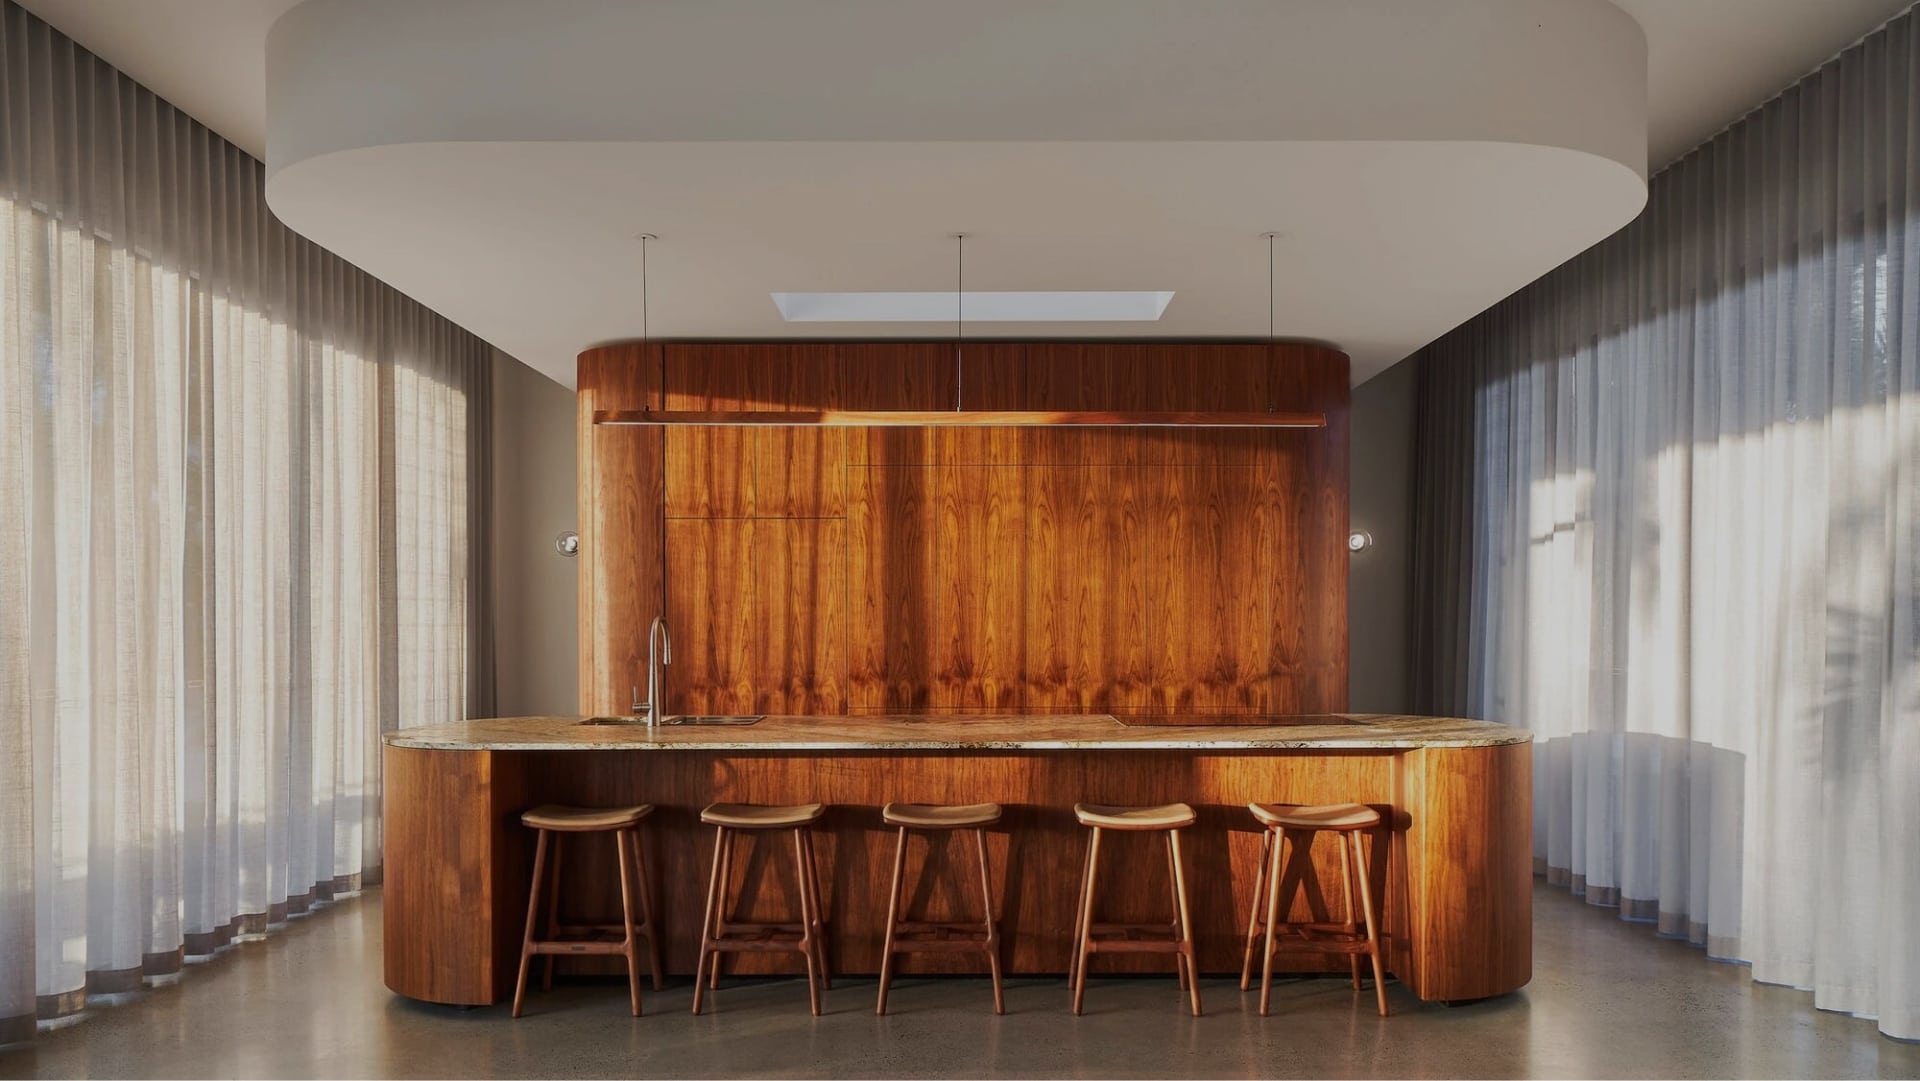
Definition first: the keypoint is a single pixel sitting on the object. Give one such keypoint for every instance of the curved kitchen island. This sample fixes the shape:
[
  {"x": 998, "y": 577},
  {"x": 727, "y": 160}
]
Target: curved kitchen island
[{"x": 1456, "y": 873}]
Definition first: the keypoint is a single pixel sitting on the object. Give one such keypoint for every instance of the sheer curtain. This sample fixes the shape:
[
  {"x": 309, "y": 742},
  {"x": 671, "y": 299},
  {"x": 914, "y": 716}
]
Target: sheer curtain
[
  {"x": 238, "y": 482},
  {"x": 1668, "y": 518}
]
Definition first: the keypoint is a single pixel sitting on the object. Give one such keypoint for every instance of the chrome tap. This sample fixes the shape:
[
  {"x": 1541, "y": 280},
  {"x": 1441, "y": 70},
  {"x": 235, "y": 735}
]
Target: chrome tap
[{"x": 659, "y": 652}]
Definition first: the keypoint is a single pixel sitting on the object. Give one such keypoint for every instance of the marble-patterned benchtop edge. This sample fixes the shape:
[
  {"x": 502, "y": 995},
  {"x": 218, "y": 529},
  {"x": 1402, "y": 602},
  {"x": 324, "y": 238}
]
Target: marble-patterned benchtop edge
[{"x": 978, "y": 732}]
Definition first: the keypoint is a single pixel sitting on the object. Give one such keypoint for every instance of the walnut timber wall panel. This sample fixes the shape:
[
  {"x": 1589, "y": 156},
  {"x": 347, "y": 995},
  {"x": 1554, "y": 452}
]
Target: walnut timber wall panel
[{"x": 904, "y": 570}]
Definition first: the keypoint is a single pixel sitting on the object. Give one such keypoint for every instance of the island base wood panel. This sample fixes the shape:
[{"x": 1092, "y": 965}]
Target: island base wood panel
[
  {"x": 1455, "y": 877},
  {"x": 457, "y": 864},
  {"x": 1474, "y": 826}
]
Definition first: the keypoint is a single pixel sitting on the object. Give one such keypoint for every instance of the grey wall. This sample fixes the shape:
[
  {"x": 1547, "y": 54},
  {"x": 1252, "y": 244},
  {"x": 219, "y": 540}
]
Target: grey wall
[
  {"x": 1379, "y": 578},
  {"x": 535, "y": 646}
]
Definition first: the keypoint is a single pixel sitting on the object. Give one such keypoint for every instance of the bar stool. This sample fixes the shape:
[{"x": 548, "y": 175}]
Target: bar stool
[
  {"x": 1170, "y": 819},
  {"x": 1298, "y": 826},
  {"x": 719, "y": 933},
  {"x": 551, "y": 820},
  {"x": 935, "y": 936}
]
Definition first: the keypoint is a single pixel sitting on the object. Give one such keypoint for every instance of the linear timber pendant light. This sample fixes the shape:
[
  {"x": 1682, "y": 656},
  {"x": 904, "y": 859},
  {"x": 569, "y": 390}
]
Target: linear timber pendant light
[{"x": 959, "y": 416}]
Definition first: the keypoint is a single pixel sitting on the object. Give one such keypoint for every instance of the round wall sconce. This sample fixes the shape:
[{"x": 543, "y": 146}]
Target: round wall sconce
[
  {"x": 1359, "y": 540},
  {"x": 567, "y": 543}
]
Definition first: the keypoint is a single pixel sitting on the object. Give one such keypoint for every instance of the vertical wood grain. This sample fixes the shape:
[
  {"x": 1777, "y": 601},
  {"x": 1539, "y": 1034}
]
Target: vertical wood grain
[
  {"x": 711, "y": 593},
  {"x": 895, "y": 375},
  {"x": 620, "y": 498},
  {"x": 797, "y": 634},
  {"x": 1034, "y": 851},
  {"x": 1468, "y": 817},
  {"x": 710, "y": 471},
  {"x": 1206, "y": 540},
  {"x": 1453, "y": 864},
  {"x": 1087, "y": 609},
  {"x": 1098, "y": 375},
  {"x": 891, "y": 549},
  {"x": 456, "y": 873},
  {"x": 1211, "y": 376},
  {"x": 993, "y": 376},
  {"x": 800, "y": 472},
  {"x": 1006, "y": 569},
  {"x": 980, "y": 588},
  {"x": 1289, "y": 677},
  {"x": 1314, "y": 480}
]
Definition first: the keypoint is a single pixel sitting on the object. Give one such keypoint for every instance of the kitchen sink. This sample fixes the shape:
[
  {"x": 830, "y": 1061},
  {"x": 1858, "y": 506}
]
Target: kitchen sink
[{"x": 678, "y": 719}]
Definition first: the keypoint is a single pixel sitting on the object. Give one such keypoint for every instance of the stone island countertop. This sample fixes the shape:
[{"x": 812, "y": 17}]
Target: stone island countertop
[{"x": 971, "y": 732}]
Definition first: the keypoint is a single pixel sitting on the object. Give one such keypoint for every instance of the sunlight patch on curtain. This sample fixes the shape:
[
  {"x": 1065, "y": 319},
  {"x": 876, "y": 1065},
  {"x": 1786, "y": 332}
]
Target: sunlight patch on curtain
[{"x": 1692, "y": 461}]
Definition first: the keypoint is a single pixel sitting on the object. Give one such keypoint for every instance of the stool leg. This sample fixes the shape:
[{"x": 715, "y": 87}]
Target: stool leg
[
  {"x": 1273, "y": 917},
  {"x": 1084, "y": 944},
  {"x": 820, "y": 942},
  {"x": 1373, "y": 939},
  {"x": 893, "y": 919},
  {"x": 553, "y": 910},
  {"x": 708, "y": 917},
  {"x": 1253, "y": 908},
  {"x": 1349, "y": 883},
  {"x": 533, "y": 913},
  {"x": 1079, "y": 905},
  {"x": 644, "y": 886},
  {"x": 726, "y": 910},
  {"x": 807, "y": 942},
  {"x": 993, "y": 932},
  {"x": 1186, "y": 923},
  {"x": 1173, "y": 888},
  {"x": 630, "y": 944}
]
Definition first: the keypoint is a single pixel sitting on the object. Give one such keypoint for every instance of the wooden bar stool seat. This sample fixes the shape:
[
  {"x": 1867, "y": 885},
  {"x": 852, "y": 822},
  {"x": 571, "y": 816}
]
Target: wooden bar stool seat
[
  {"x": 934, "y": 816},
  {"x": 762, "y": 816},
  {"x": 1297, "y": 826},
  {"x": 551, "y": 816},
  {"x": 721, "y": 933},
  {"x": 1091, "y": 937},
  {"x": 552, "y": 822},
  {"x": 1170, "y": 816},
  {"x": 1331, "y": 816},
  {"x": 904, "y": 936}
]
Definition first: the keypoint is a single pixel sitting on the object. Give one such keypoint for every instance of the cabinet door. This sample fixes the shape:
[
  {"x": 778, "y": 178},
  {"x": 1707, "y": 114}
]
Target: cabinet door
[
  {"x": 890, "y": 548},
  {"x": 709, "y": 471},
  {"x": 710, "y": 604},
  {"x": 1086, "y": 586}
]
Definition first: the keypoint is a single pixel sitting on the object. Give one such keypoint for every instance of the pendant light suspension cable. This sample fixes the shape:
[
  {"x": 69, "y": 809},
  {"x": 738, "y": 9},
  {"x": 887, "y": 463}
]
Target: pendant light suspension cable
[
  {"x": 645, "y": 338},
  {"x": 1270, "y": 238},
  {"x": 959, "y": 318},
  {"x": 958, "y": 416},
  {"x": 660, "y": 382}
]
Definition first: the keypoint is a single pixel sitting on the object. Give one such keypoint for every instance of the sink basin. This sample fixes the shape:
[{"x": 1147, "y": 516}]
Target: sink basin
[{"x": 676, "y": 720}]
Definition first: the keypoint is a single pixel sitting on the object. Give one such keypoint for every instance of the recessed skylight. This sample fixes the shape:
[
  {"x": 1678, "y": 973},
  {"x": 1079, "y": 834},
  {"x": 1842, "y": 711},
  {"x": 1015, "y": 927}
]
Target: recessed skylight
[{"x": 1081, "y": 306}]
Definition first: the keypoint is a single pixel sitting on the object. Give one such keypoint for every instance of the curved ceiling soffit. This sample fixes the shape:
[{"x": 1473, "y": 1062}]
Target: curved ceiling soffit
[{"x": 366, "y": 98}]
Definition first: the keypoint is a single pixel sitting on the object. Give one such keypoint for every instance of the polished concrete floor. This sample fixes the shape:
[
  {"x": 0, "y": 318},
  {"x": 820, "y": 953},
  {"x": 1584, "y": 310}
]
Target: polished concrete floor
[{"x": 1607, "y": 1000}]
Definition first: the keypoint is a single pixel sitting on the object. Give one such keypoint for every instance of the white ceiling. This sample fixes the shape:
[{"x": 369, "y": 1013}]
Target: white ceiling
[
  {"x": 1390, "y": 238},
  {"x": 495, "y": 159},
  {"x": 1708, "y": 61}
]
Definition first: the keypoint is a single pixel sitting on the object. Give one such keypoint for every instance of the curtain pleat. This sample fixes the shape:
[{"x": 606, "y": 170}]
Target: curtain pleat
[
  {"x": 238, "y": 482},
  {"x": 1667, "y": 521}
]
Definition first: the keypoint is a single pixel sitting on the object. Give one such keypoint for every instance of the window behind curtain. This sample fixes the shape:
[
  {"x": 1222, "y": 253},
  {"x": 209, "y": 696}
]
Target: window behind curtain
[
  {"x": 241, "y": 485},
  {"x": 1669, "y": 520}
]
